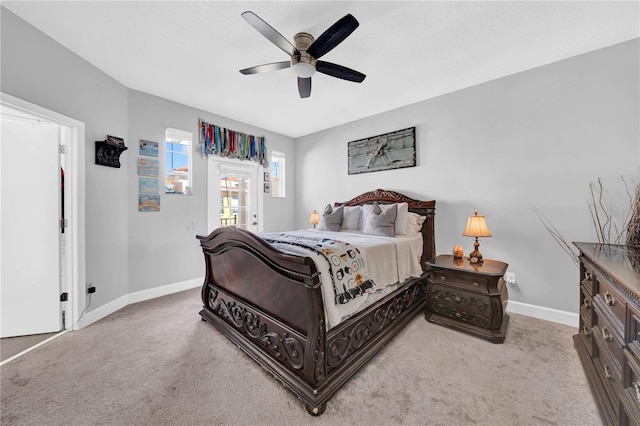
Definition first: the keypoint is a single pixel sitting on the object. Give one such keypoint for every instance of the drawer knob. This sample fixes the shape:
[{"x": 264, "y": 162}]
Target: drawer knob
[
  {"x": 458, "y": 315},
  {"x": 636, "y": 389},
  {"x": 609, "y": 299},
  {"x": 607, "y": 372},
  {"x": 475, "y": 284},
  {"x": 457, "y": 299},
  {"x": 443, "y": 278},
  {"x": 606, "y": 335},
  {"x": 586, "y": 303},
  {"x": 587, "y": 275},
  {"x": 586, "y": 331}
]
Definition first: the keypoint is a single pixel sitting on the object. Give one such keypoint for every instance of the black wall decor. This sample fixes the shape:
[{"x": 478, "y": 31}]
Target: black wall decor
[{"x": 108, "y": 152}]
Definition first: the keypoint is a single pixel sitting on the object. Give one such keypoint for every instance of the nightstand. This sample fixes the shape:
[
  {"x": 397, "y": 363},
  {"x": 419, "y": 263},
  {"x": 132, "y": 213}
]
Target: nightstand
[{"x": 470, "y": 297}]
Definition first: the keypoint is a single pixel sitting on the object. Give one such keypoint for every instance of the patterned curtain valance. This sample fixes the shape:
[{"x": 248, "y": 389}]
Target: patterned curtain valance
[{"x": 216, "y": 140}]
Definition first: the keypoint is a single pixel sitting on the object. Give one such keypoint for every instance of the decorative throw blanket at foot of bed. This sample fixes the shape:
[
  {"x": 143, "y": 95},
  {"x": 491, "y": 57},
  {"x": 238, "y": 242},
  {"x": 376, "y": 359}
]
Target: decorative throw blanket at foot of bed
[{"x": 348, "y": 269}]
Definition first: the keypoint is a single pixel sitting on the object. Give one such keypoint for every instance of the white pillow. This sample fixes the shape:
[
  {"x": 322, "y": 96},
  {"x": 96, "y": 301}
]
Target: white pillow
[
  {"x": 351, "y": 218},
  {"x": 414, "y": 223},
  {"x": 402, "y": 218}
]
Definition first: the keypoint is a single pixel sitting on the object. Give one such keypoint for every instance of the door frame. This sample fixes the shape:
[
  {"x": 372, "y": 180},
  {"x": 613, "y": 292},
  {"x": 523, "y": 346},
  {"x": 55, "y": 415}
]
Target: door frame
[
  {"x": 74, "y": 203},
  {"x": 214, "y": 164}
]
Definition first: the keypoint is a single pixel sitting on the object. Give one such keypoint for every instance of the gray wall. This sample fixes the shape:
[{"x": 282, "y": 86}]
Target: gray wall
[
  {"x": 126, "y": 251},
  {"x": 536, "y": 138},
  {"x": 162, "y": 247},
  {"x": 39, "y": 70}
]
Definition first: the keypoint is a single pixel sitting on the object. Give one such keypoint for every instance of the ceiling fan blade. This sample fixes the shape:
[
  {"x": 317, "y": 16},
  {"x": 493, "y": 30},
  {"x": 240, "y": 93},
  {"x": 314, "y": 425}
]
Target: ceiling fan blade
[
  {"x": 333, "y": 36},
  {"x": 266, "y": 67},
  {"x": 272, "y": 35},
  {"x": 304, "y": 87},
  {"x": 335, "y": 70}
]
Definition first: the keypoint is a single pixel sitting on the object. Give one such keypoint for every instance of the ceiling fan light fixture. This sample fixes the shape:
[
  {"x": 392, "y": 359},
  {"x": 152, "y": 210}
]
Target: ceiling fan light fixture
[{"x": 304, "y": 70}]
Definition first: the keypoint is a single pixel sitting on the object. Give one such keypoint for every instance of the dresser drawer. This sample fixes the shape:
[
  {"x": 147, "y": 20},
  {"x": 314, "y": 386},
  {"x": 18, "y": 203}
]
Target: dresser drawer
[
  {"x": 609, "y": 336},
  {"x": 587, "y": 277},
  {"x": 608, "y": 371},
  {"x": 586, "y": 304},
  {"x": 586, "y": 332},
  {"x": 472, "y": 283},
  {"x": 471, "y": 308},
  {"x": 630, "y": 398},
  {"x": 612, "y": 300}
]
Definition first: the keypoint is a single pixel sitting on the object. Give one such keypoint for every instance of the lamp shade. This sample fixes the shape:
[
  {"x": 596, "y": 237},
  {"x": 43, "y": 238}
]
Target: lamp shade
[
  {"x": 314, "y": 219},
  {"x": 476, "y": 227}
]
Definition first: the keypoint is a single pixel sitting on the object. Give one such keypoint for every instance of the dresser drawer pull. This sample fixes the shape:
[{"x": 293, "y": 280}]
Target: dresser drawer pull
[
  {"x": 586, "y": 303},
  {"x": 475, "y": 284},
  {"x": 443, "y": 278},
  {"x": 586, "y": 331},
  {"x": 608, "y": 299},
  {"x": 607, "y": 372},
  {"x": 587, "y": 275},
  {"x": 636, "y": 389},
  {"x": 606, "y": 335}
]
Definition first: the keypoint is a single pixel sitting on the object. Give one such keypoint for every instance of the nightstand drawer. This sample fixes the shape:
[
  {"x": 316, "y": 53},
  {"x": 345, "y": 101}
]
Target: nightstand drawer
[
  {"x": 460, "y": 280},
  {"x": 471, "y": 308}
]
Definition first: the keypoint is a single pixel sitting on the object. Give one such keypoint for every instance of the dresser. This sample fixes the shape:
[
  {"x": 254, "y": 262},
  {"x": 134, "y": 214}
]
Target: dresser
[
  {"x": 608, "y": 340},
  {"x": 470, "y": 297}
]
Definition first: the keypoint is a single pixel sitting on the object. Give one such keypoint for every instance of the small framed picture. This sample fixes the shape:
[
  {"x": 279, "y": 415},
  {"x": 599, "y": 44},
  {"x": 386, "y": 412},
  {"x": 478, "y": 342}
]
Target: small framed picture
[
  {"x": 267, "y": 187},
  {"x": 267, "y": 177}
]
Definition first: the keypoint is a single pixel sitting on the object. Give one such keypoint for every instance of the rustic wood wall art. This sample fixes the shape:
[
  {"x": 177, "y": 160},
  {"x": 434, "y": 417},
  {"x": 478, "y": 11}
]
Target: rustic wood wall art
[{"x": 393, "y": 150}]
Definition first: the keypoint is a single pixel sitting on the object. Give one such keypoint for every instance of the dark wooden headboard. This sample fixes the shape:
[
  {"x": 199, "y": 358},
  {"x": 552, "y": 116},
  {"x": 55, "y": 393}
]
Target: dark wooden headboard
[{"x": 423, "y": 208}]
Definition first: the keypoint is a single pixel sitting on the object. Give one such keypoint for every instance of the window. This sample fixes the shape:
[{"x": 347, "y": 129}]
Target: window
[
  {"x": 277, "y": 174},
  {"x": 178, "y": 161}
]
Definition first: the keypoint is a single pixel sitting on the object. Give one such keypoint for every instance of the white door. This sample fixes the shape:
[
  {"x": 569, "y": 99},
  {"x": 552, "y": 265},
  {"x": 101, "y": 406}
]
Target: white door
[
  {"x": 29, "y": 226},
  {"x": 234, "y": 195}
]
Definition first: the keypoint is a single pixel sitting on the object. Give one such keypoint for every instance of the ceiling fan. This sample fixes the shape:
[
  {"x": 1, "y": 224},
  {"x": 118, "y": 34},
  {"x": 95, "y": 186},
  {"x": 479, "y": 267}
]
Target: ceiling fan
[{"x": 306, "y": 53}]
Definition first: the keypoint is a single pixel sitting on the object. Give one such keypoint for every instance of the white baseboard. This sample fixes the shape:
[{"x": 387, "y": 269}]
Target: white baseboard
[
  {"x": 555, "y": 315},
  {"x": 139, "y": 296},
  {"x": 548, "y": 314}
]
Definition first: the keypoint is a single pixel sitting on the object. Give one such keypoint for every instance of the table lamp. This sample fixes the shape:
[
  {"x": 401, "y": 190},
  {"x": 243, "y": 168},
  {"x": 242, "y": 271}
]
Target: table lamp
[
  {"x": 314, "y": 219},
  {"x": 476, "y": 227}
]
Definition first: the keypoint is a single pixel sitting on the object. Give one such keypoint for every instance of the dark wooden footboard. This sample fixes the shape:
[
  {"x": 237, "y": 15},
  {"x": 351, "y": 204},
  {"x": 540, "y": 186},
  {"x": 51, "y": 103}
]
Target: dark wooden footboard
[{"x": 270, "y": 305}]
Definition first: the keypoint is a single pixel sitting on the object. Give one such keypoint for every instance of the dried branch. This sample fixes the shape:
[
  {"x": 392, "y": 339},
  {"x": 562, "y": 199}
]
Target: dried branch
[{"x": 557, "y": 236}]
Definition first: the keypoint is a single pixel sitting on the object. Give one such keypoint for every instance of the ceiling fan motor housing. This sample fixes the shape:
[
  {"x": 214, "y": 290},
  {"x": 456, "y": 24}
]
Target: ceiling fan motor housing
[{"x": 304, "y": 65}]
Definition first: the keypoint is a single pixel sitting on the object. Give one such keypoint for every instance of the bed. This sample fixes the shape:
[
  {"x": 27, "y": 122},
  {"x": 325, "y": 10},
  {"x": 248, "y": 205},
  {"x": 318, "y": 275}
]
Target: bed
[{"x": 269, "y": 302}]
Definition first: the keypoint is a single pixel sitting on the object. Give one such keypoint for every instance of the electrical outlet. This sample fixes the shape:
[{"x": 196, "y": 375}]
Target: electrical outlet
[{"x": 510, "y": 278}]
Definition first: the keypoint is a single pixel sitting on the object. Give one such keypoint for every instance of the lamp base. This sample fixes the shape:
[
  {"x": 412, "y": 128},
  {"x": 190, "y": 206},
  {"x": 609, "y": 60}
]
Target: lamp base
[{"x": 475, "y": 256}]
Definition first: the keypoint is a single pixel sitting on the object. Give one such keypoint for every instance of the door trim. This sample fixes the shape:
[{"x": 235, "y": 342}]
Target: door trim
[
  {"x": 74, "y": 203},
  {"x": 213, "y": 191}
]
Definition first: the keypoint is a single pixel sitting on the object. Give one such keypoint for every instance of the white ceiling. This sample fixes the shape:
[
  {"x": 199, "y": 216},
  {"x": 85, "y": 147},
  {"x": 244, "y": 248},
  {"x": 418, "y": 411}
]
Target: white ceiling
[{"x": 190, "y": 51}]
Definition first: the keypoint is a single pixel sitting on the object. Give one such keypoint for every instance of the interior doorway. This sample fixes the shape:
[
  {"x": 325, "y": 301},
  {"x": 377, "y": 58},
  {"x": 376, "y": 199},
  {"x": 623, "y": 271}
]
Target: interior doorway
[
  {"x": 32, "y": 249},
  {"x": 38, "y": 145}
]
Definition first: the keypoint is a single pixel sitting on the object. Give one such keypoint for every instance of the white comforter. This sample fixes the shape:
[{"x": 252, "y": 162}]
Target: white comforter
[{"x": 389, "y": 260}]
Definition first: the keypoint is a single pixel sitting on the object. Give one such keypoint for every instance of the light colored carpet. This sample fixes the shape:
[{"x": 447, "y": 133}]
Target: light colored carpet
[{"x": 157, "y": 363}]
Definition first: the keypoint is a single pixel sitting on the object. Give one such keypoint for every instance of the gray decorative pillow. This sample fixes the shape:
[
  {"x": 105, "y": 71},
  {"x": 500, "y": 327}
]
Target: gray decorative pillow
[
  {"x": 381, "y": 222},
  {"x": 331, "y": 219}
]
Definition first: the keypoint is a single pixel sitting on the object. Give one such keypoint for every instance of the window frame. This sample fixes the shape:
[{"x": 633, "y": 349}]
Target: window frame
[
  {"x": 279, "y": 190},
  {"x": 174, "y": 135}
]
